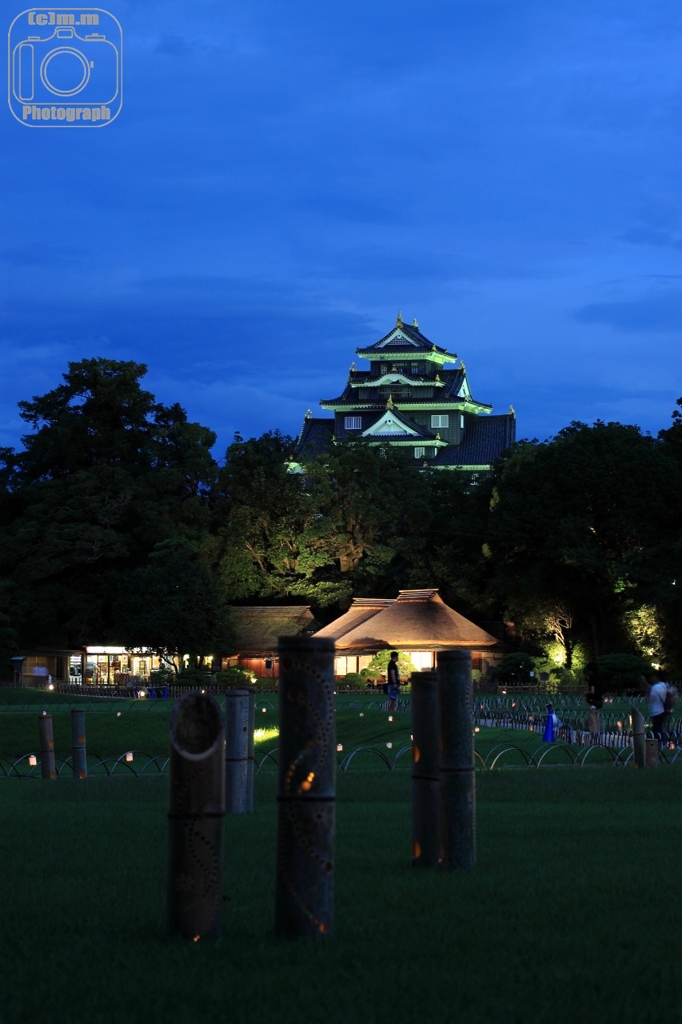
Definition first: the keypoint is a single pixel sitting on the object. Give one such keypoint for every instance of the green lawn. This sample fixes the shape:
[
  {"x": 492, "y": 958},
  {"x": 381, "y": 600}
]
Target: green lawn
[
  {"x": 557, "y": 922},
  {"x": 569, "y": 916}
]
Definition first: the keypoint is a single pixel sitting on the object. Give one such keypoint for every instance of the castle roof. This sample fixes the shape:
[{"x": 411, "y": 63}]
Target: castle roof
[
  {"x": 484, "y": 441},
  {"x": 395, "y": 425},
  {"x": 315, "y": 439},
  {"x": 405, "y": 339},
  {"x": 450, "y": 386}
]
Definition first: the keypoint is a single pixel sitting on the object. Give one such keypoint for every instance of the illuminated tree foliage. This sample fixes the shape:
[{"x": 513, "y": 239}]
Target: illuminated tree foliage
[{"x": 581, "y": 526}]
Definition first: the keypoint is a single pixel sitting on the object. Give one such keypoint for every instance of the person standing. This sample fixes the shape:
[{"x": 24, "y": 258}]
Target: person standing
[
  {"x": 658, "y": 691},
  {"x": 393, "y": 681},
  {"x": 594, "y": 695}
]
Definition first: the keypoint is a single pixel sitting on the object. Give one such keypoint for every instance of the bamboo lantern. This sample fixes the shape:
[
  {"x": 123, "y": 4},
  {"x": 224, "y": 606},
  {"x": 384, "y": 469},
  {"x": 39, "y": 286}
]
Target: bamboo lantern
[
  {"x": 307, "y": 788},
  {"x": 652, "y": 751},
  {"x": 251, "y": 762},
  {"x": 79, "y": 757},
  {"x": 425, "y": 770},
  {"x": 457, "y": 774},
  {"x": 236, "y": 750},
  {"x": 46, "y": 731},
  {"x": 195, "y": 819},
  {"x": 638, "y": 737}
]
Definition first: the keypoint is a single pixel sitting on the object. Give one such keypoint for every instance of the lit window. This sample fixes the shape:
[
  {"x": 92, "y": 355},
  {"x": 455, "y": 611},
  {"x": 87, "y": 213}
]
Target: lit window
[
  {"x": 352, "y": 422},
  {"x": 420, "y": 453},
  {"x": 461, "y": 421},
  {"x": 440, "y": 421},
  {"x": 414, "y": 368}
]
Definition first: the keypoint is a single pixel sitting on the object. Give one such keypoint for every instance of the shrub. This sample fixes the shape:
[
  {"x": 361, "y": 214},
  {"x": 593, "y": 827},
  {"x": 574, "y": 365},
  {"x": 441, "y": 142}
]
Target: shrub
[
  {"x": 234, "y": 678},
  {"x": 267, "y": 683},
  {"x": 162, "y": 677},
  {"x": 378, "y": 666},
  {"x": 194, "y": 678},
  {"x": 354, "y": 681},
  {"x": 515, "y": 668}
]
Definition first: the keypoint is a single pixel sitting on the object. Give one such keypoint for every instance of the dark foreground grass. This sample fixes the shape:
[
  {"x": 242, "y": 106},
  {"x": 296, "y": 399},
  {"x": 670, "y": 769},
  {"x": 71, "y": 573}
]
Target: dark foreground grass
[{"x": 570, "y": 915}]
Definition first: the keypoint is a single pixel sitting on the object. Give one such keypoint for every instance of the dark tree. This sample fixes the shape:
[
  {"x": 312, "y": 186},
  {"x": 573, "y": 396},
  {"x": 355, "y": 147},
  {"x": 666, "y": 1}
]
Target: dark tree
[{"x": 105, "y": 475}]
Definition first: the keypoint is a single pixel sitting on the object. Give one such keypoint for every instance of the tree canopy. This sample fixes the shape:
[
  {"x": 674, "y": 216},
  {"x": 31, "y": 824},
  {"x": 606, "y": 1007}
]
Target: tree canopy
[
  {"x": 106, "y": 474},
  {"x": 118, "y": 526}
]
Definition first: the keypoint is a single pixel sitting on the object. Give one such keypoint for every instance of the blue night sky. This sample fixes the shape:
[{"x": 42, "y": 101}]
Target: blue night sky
[{"x": 284, "y": 177}]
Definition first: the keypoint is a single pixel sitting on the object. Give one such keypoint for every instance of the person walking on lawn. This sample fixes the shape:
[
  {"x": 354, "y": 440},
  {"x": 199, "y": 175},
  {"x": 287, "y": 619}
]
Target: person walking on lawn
[{"x": 393, "y": 680}]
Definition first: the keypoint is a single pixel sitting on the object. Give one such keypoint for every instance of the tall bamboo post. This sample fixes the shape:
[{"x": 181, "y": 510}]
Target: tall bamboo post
[
  {"x": 236, "y": 750},
  {"x": 638, "y": 737},
  {"x": 79, "y": 755},
  {"x": 195, "y": 818},
  {"x": 251, "y": 761},
  {"x": 457, "y": 774},
  {"x": 307, "y": 788},
  {"x": 425, "y": 769},
  {"x": 46, "y": 731}
]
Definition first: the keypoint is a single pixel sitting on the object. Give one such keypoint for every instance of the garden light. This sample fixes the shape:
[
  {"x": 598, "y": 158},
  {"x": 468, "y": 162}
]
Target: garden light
[
  {"x": 129, "y": 755},
  {"x": 32, "y": 760},
  {"x": 389, "y": 745},
  {"x": 390, "y": 718},
  {"x": 339, "y": 747}
]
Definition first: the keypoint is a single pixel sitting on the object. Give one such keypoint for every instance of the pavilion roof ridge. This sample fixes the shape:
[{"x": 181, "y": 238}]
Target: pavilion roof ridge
[{"x": 425, "y": 594}]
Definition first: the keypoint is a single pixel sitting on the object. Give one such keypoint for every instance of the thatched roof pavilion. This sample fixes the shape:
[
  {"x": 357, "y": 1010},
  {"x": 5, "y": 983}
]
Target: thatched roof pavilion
[
  {"x": 417, "y": 620},
  {"x": 257, "y": 627}
]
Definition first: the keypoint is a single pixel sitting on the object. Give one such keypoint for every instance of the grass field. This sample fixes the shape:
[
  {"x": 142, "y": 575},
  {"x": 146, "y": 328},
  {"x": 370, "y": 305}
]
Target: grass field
[{"x": 570, "y": 914}]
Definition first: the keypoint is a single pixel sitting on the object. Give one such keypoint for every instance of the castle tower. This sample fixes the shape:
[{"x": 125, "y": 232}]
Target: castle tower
[{"x": 415, "y": 396}]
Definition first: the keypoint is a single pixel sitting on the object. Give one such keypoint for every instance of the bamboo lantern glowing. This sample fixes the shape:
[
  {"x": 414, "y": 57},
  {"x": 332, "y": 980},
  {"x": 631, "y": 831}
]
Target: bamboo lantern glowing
[
  {"x": 457, "y": 773},
  {"x": 79, "y": 756},
  {"x": 47, "y": 762},
  {"x": 237, "y": 720},
  {"x": 307, "y": 788},
  {"x": 195, "y": 819},
  {"x": 425, "y": 770}
]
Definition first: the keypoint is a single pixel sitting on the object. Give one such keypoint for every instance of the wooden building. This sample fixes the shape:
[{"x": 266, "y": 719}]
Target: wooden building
[
  {"x": 417, "y": 622},
  {"x": 257, "y": 630}
]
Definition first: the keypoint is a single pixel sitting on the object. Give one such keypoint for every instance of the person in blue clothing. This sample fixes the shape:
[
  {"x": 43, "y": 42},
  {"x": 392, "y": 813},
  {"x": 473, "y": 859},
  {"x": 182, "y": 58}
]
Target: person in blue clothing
[
  {"x": 658, "y": 692},
  {"x": 393, "y": 681}
]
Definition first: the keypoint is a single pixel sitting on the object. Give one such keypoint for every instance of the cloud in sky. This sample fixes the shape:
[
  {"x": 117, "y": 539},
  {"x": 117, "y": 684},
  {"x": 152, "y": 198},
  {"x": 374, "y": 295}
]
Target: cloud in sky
[{"x": 284, "y": 177}]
